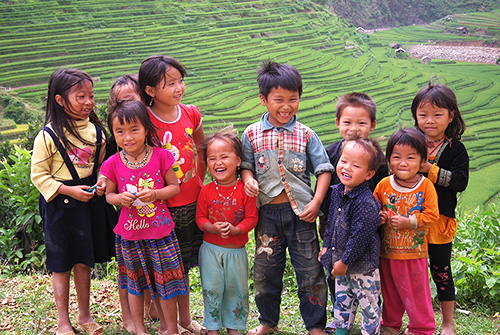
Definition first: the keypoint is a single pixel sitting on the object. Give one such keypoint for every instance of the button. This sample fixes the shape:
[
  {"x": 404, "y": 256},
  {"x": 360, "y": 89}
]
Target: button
[{"x": 66, "y": 201}]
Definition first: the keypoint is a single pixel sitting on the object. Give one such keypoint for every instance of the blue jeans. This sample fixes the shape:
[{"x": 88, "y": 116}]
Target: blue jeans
[{"x": 279, "y": 228}]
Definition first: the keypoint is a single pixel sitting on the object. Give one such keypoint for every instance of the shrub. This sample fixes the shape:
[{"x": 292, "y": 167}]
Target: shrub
[
  {"x": 14, "y": 109},
  {"x": 477, "y": 257},
  {"x": 21, "y": 196}
]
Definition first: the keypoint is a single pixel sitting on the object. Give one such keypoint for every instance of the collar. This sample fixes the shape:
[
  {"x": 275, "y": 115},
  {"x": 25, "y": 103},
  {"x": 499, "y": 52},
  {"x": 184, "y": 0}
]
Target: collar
[
  {"x": 357, "y": 190},
  {"x": 266, "y": 125},
  {"x": 81, "y": 124}
]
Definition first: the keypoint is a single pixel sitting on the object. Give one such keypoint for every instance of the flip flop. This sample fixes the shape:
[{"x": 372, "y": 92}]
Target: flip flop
[
  {"x": 256, "y": 331},
  {"x": 91, "y": 328},
  {"x": 195, "y": 328}
]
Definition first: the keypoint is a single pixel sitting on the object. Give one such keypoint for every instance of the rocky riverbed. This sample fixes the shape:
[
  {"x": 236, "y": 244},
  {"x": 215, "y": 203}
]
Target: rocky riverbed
[{"x": 474, "y": 54}]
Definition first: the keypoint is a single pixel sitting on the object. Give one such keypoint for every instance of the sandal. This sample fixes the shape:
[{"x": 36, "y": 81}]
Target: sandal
[
  {"x": 91, "y": 328},
  {"x": 258, "y": 330},
  {"x": 181, "y": 331},
  {"x": 195, "y": 328}
]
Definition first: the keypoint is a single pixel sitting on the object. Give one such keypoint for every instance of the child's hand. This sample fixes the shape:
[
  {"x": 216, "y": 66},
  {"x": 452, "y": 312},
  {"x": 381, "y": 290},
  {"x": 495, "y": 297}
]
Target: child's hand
[
  {"x": 101, "y": 186},
  {"x": 399, "y": 222},
  {"x": 384, "y": 217},
  {"x": 80, "y": 193},
  {"x": 321, "y": 253},
  {"x": 147, "y": 195},
  {"x": 426, "y": 167},
  {"x": 339, "y": 268},
  {"x": 310, "y": 212},
  {"x": 222, "y": 228},
  {"x": 126, "y": 198},
  {"x": 252, "y": 187}
]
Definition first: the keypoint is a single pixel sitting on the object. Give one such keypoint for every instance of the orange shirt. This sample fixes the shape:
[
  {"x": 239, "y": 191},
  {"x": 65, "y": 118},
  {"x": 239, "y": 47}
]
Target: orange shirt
[{"x": 419, "y": 201}]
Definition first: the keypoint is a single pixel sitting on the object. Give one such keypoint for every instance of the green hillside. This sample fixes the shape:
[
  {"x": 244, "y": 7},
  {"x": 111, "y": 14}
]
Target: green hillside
[{"x": 221, "y": 42}]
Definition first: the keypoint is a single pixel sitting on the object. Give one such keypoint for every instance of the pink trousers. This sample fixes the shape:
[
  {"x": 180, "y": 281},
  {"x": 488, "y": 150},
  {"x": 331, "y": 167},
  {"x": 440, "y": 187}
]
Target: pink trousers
[{"x": 405, "y": 287}]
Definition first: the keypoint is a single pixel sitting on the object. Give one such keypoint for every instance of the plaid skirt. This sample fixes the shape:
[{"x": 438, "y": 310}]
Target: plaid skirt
[{"x": 154, "y": 265}]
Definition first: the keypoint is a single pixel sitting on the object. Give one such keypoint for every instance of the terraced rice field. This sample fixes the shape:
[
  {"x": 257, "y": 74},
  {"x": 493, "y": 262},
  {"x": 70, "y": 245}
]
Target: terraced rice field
[{"x": 221, "y": 42}]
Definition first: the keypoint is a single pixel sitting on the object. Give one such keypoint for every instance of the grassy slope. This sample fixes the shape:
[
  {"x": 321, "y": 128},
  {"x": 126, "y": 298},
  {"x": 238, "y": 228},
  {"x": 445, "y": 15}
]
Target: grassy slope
[{"x": 221, "y": 43}]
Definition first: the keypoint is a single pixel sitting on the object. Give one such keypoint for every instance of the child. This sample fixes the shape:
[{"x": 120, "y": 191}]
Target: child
[
  {"x": 435, "y": 112},
  {"x": 77, "y": 222},
  {"x": 226, "y": 215},
  {"x": 179, "y": 128},
  {"x": 351, "y": 247},
  {"x": 409, "y": 208},
  {"x": 140, "y": 178},
  {"x": 125, "y": 88},
  {"x": 279, "y": 154},
  {"x": 355, "y": 118}
]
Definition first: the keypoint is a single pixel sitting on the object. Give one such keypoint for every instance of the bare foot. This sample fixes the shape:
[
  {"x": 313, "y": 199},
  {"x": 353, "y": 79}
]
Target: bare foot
[
  {"x": 317, "y": 331},
  {"x": 448, "y": 329},
  {"x": 233, "y": 332},
  {"x": 261, "y": 330},
  {"x": 213, "y": 332}
]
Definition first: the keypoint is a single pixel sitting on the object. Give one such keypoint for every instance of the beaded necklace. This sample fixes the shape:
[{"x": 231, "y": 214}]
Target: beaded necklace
[
  {"x": 226, "y": 200},
  {"x": 434, "y": 145},
  {"x": 136, "y": 165},
  {"x": 410, "y": 187}
]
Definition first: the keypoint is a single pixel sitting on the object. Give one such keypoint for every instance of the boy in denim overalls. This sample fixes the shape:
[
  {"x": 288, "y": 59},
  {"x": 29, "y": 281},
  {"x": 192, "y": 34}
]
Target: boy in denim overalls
[{"x": 279, "y": 154}]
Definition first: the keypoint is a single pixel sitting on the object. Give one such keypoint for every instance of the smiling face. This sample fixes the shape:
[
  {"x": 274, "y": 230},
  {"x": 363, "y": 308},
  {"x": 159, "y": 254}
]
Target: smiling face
[
  {"x": 222, "y": 162},
  {"x": 130, "y": 136},
  {"x": 433, "y": 120},
  {"x": 355, "y": 122},
  {"x": 405, "y": 162},
  {"x": 282, "y": 105},
  {"x": 353, "y": 167},
  {"x": 168, "y": 92},
  {"x": 80, "y": 101}
]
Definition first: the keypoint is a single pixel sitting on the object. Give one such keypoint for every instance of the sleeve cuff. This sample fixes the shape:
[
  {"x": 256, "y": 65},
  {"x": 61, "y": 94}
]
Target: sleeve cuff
[
  {"x": 413, "y": 222},
  {"x": 324, "y": 167}
]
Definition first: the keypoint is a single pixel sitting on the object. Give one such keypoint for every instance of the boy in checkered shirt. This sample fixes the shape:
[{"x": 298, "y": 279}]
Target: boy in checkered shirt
[{"x": 279, "y": 154}]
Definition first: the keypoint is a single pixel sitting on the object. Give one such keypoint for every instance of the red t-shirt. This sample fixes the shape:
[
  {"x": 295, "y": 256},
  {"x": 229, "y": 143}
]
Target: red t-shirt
[
  {"x": 239, "y": 210},
  {"x": 177, "y": 137}
]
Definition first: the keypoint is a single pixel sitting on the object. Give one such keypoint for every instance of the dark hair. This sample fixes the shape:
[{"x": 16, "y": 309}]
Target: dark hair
[
  {"x": 273, "y": 75},
  {"x": 412, "y": 137},
  {"x": 228, "y": 134},
  {"x": 127, "y": 79},
  {"x": 373, "y": 148},
  {"x": 153, "y": 70},
  {"x": 356, "y": 99},
  {"x": 133, "y": 110},
  {"x": 441, "y": 96},
  {"x": 61, "y": 82}
]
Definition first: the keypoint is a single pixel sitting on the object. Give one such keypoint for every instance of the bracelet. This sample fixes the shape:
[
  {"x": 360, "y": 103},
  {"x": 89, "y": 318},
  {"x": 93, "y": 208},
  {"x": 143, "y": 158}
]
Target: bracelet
[
  {"x": 156, "y": 195},
  {"x": 413, "y": 222}
]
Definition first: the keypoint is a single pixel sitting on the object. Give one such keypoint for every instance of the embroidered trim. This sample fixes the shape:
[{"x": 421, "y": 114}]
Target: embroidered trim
[
  {"x": 281, "y": 169},
  {"x": 444, "y": 178}
]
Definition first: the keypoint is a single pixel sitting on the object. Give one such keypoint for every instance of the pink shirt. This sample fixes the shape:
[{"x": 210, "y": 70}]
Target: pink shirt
[
  {"x": 177, "y": 137},
  {"x": 141, "y": 221}
]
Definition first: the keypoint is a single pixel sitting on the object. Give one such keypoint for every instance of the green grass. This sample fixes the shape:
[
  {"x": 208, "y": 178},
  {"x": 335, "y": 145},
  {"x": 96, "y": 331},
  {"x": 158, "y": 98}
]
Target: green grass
[{"x": 28, "y": 308}]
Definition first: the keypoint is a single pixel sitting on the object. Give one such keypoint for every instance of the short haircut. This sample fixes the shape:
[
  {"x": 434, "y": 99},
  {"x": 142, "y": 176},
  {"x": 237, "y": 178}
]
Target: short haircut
[
  {"x": 133, "y": 110},
  {"x": 153, "y": 70},
  {"x": 440, "y": 96},
  {"x": 228, "y": 134},
  {"x": 357, "y": 99},
  {"x": 273, "y": 75},
  {"x": 412, "y": 137},
  {"x": 373, "y": 148}
]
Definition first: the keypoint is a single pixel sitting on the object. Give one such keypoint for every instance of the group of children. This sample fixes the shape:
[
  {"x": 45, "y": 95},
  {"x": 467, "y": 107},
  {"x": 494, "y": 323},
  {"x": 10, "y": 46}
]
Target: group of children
[{"x": 377, "y": 229}]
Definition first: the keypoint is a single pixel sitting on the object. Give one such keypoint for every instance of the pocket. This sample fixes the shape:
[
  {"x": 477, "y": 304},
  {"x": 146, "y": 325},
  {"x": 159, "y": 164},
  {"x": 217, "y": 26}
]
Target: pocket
[
  {"x": 295, "y": 162},
  {"x": 307, "y": 245},
  {"x": 261, "y": 162}
]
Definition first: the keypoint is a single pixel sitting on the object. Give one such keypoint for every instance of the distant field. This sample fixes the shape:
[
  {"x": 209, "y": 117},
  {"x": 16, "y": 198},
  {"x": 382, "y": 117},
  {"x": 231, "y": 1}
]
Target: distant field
[{"x": 221, "y": 42}]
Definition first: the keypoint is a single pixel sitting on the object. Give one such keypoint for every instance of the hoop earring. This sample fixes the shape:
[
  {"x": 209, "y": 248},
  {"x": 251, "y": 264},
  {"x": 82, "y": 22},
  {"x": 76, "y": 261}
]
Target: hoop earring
[{"x": 151, "y": 101}]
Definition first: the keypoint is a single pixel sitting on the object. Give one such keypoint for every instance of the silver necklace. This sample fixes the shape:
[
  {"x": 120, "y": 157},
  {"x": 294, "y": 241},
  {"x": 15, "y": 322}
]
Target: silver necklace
[
  {"x": 226, "y": 200},
  {"x": 136, "y": 165}
]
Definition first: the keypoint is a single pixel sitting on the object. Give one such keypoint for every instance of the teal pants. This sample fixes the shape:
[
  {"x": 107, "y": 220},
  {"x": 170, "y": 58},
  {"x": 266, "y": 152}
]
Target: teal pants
[{"x": 224, "y": 279}]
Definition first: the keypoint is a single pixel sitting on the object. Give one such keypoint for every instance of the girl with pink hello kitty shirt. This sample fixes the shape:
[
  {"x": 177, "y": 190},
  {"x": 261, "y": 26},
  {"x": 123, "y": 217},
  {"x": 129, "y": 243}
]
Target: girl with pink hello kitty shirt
[{"x": 140, "y": 178}]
